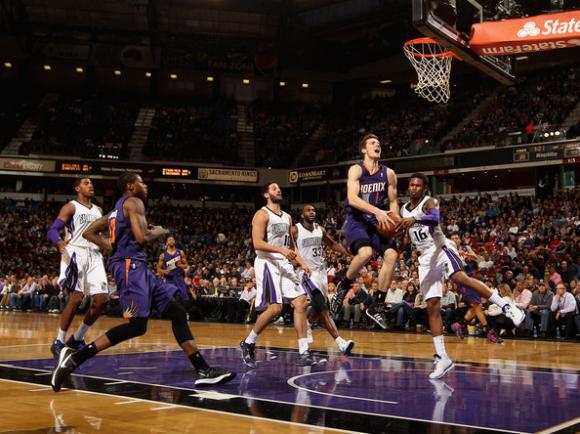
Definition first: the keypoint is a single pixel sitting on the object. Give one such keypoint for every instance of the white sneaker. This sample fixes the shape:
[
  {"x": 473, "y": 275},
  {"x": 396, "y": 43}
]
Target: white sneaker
[
  {"x": 309, "y": 334},
  {"x": 442, "y": 366},
  {"x": 514, "y": 313},
  {"x": 346, "y": 349}
]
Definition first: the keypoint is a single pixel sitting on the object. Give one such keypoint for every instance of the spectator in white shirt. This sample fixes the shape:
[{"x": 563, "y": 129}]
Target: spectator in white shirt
[{"x": 564, "y": 308}]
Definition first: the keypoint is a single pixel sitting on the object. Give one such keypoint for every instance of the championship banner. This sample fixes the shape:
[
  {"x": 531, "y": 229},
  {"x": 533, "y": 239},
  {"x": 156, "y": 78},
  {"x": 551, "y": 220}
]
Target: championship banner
[
  {"x": 26, "y": 165},
  {"x": 236, "y": 175},
  {"x": 526, "y": 35}
]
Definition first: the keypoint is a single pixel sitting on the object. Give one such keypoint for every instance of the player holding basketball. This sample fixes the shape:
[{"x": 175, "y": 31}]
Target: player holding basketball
[
  {"x": 172, "y": 264},
  {"x": 310, "y": 237},
  {"x": 139, "y": 289},
  {"x": 439, "y": 261},
  {"x": 82, "y": 271},
  {"x": 276, "y": 278},
  {"x": 369, "y": 184}
]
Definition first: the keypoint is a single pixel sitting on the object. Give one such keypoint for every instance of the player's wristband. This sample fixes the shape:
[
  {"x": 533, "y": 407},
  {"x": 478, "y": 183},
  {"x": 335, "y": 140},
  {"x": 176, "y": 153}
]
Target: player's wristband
[{"x": 53, "y": 233}]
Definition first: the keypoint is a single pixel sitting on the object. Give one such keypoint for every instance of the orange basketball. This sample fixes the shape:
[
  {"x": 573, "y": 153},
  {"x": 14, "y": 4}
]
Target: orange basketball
[{"x": 388, "y": 230}]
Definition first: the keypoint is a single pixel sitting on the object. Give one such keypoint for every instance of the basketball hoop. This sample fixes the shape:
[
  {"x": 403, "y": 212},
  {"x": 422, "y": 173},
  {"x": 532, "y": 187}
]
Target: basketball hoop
[{"x": 433, "y": 65}]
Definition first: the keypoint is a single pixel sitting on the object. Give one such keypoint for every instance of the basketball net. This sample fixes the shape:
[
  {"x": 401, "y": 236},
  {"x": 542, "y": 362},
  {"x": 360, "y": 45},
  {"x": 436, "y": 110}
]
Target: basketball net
[{"x": 433, "y": 65}]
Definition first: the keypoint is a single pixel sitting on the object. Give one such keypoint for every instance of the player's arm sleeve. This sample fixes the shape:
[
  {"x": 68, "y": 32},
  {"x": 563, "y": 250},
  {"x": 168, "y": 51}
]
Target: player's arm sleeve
[
  {"x": 431, "y": 216},
  {"x": 64, "y": 215}
]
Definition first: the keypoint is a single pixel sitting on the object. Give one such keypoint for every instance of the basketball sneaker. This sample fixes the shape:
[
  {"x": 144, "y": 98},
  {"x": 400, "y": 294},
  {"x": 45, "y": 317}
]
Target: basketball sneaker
[
  {"x": 338, "y": 298},
  {"x": 376, "y": 312},
  {"x": 213, "y": 376},
  {"x": 514, "y": 313},
  {"x": 248, "y": 354},
  {"x": 309, "y": 333},
  {"x": 56, "y": 348},
  {"x": 346, "y": 349},
  {"x": 493, "y": 337},
  {"x": 308, "y": 359},
  {"x": 66, "y": 365},
  {"x": 458, "y": 330},
  {"x": 74, "y": 344},
  {"x": 441, "y": 367}
]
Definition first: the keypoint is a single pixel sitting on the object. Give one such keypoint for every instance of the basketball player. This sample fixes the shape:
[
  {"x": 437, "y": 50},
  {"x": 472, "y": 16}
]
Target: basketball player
[
  {"x": 439, "y": 261},
  {"x": 82, "y": 271},
  {"x": 471, "y": 298},
  {"x": 172, "y": 264},
  {"x": 310, "y": 237},
  {"x": 369, "y": 184},
  {"x": 139, "y": 289},
  {"x": 275, "y": 275}
]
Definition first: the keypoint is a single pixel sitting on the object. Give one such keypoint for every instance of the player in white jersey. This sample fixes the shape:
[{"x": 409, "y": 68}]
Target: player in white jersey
[
  {"x": 275, "y": 275},
  {"x": 439, "y": 261},
  {"x": 310, "y": 237},
  {"x": 82, "y": 271}
]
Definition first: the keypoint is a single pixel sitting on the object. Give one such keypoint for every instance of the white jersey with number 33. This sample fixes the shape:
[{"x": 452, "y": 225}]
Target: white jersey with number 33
[
  {"x": 309, "y": 245},
  {"x": 424, "y": 238},
  {"x": 277, "y": 233}
]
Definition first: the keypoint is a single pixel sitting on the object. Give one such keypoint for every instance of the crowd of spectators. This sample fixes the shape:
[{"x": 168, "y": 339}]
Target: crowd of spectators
[
  {"x": 194, "y": 130},
  {"x": 524, "y": 247},
  {"x": 88, "y": 125}
]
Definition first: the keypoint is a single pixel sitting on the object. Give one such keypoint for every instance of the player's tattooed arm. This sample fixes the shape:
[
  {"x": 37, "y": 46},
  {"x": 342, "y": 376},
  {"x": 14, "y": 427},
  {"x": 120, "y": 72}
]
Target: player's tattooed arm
[
  {"x": 183, "y": 263},
  {"x": 160, "y": 270},
  {"x": 98, "y": 234},
  {"x": 333, "y": 245},
  {"x": 142, "y": 231}
]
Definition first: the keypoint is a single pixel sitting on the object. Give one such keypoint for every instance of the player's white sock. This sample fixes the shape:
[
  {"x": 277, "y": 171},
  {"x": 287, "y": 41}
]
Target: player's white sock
[
  {"x": 496, "y": 299},
  {"x": 81, "y": 331},
  {"x": 251, "y": 339},
  {"x": 302, "y": 345},
  {"x": 440, "y": 347},
  {"x": 340, "y": 342},
  {"x": 61, "y": 335}
]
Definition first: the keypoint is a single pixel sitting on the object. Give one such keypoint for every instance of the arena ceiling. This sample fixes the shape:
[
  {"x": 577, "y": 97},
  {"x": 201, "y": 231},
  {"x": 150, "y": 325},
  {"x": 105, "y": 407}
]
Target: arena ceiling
[{"x": 341, "y": 36}]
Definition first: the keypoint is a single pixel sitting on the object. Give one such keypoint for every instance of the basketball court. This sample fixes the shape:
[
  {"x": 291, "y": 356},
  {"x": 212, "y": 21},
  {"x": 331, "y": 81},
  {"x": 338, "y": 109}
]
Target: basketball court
[{"x": 147, "y": 385}]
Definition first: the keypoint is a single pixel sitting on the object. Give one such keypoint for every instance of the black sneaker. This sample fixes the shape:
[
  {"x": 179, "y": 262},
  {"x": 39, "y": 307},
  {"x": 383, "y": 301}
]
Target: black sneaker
[
  {"x": 308, "y": 359},
  {"x": 376, "y": 312},
  {"x": 56, "y": 348},
  {"x": 338, "y": 298},
  {"x": 66, "y": 365},
  {"x": 214, "y": 375},
  {"x": 249, "y": 354}
]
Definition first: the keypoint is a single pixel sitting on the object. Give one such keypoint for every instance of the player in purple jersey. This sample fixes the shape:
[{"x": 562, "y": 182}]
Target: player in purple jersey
[
  {"x": 172, "y": 264},
  {"x": 471, "y": 298},
  {"x": 139, "y": 289},
  {"x": 369, "y": 185}
]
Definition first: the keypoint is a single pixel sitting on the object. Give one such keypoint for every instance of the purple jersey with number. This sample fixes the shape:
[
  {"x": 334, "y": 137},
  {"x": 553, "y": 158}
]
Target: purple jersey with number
[
  {"x": 373, "y": 189},
  {"x": 170, "y": 261},
  {"x": 125, "y": 246}
]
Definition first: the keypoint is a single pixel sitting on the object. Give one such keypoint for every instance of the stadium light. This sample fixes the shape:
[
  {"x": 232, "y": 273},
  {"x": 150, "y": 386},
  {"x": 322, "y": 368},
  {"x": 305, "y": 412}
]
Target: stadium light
[
  {"x": 173, "y": 76},
  {"x": 521, "y": 57},
  {"x": 246, "y": 81},
  {"x": 210, "y": 78},
  {"x": 79, "y": 70},
  {"x": 47, "y": 67},
  {"x": 148, "y": 74},
  {"x": 558, "y": 133},
  {"x": 7, "y": 65},
  {"x": 385, "y": 81},
  {"x": 117, "y": 72},
  {"x": 546, "y": 135},
  {"x": 282, "y": 83},
  {"x": 305, "y": 85}
]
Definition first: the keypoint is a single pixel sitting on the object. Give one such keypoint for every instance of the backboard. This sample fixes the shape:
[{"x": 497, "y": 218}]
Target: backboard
[{"x": 441, "y": 26}]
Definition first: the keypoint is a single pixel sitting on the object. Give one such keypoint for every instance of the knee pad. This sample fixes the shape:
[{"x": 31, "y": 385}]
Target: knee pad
[
  {"x": 135, "y": 327},
  {"x": 176, "y": 313}
]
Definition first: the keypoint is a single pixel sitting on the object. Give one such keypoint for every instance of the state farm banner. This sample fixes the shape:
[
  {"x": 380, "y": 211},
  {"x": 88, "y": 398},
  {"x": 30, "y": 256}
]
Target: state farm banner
[{"x": 526, "y": 35}]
